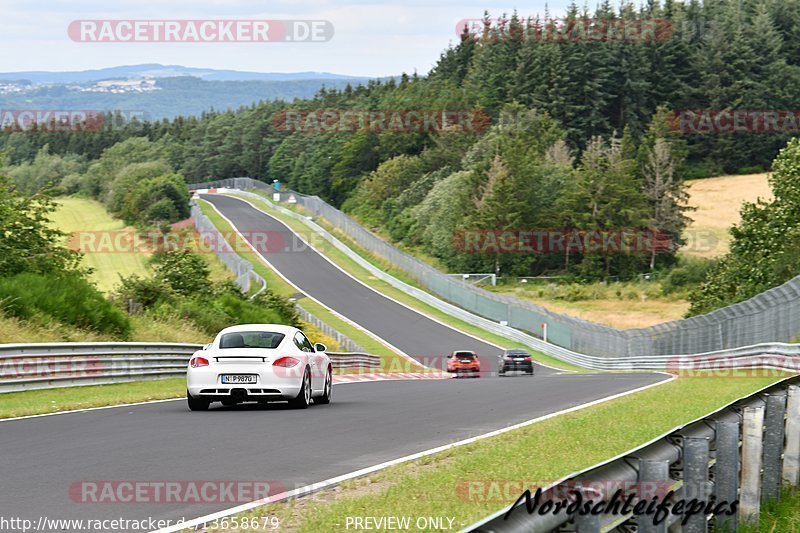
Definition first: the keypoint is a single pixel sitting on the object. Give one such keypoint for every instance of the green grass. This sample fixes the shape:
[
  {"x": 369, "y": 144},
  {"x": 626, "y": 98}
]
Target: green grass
[
  {"x": 383, "y": 287},
  {"x": 77, "y": 215},
  {"x": 463, "y": 482},
  {"x": 390, "y": 360},
  {"x": 36, "y": 402},
  {"x": 89, "y": 217},
  {"x": 780, "y": 517}
]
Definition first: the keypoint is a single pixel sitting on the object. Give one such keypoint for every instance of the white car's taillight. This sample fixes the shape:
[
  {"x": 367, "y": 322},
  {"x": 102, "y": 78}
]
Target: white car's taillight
[
  {"x": 198, "y": 361},
  {"x": 286, "y": 362}
]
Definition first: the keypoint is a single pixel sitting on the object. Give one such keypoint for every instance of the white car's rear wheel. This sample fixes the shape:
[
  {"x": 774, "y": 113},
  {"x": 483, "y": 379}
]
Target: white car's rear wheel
[
  {"x": 303, "y": 399},
  {"x": 197, "y": 404},
  {"x": 326, "y": 396}
]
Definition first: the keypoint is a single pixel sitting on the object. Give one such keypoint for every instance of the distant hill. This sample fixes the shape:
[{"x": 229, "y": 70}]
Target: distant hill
[
  {"x": 169, "y": 97},
  {"x": 156, "y": 70}
]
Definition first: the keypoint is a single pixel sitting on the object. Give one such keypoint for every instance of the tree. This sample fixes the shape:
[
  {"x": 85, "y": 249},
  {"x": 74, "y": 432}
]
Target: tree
[
  {"x": 356, "y": 158},
  {"x": 128, "y": 177},
  {"x": 391, "y": 178},
  {"x": 667, "y": 198},
  {"x": 604, "y": 196},
  {"x": 660, "y": 160},
  {"x": 45, "y": 171},
  {"x": 28, "y": 242},
  {"x": 498, "y": 204},
  {"x": 763, "y": 252},
  {"x": 163, "y": 199}
]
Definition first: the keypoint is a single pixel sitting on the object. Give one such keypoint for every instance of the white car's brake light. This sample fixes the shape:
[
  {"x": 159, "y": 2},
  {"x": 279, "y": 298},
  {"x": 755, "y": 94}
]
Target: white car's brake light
[
  {"x": 198, "y": 361},
  {"x": 286, "y": 362}
]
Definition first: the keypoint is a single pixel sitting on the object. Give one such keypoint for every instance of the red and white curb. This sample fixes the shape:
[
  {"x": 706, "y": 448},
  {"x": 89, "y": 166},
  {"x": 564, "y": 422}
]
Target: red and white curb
[{"x": 388, "y": 376}]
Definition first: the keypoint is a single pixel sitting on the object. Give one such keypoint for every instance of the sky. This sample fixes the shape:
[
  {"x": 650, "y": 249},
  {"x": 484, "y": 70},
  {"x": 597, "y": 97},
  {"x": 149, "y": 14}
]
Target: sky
[{"x": 371, "y": 38}]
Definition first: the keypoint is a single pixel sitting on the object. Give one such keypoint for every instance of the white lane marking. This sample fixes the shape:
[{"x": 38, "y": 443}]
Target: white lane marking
[
  {"x": 341, "y": 379},
  {"x": 419, "y": 312},
  {"x": 328, "y": 483},
  {"x": 287, "y": 280},
  {"x": 119, "y": 405}
]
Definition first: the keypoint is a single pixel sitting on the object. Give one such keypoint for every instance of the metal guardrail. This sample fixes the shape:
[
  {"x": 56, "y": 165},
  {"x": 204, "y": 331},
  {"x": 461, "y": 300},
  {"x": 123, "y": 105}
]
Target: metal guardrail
[
  {"x": 55, "y": 365},
  {"x": 354, "y": 360},
  {"x": 343, "y": 340},
  {"x": 240, "y": 267},
  {"x": 744, "y": 452},
  {"x": 775, "y": 356}
]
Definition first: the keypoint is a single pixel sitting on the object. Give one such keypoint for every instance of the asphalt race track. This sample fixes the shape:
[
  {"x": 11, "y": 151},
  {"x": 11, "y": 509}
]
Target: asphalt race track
[
  {"x": 366, "y": 424},
  {"x": 44, "y": 458},
  {"x": 416, "y": 335},
  {"x": 403, "y": 328}
]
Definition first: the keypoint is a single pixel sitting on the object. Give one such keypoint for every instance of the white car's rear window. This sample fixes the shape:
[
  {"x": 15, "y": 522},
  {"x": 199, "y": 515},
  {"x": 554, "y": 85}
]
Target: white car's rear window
[{"x": 251, "y": 339}]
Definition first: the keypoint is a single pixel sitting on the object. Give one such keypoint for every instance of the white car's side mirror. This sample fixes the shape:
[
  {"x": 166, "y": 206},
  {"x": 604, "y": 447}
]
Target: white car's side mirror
[{"x": 319, "y": 347}]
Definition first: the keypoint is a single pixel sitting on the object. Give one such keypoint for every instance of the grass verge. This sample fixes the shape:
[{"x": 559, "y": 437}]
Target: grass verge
[
  {"x": 390, "y": 360},
  {"x": 472, "y": 481},
  {"x": 37, "y": 402},
  {"x": 385, "y": 288},
  {"x": 779, "y": 517}
]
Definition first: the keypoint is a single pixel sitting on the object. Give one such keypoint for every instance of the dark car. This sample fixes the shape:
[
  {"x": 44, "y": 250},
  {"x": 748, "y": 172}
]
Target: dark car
[{"x": 515, "y": 360}]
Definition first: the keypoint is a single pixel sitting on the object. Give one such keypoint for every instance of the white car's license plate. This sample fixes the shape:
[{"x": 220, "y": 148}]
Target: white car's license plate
[{"x": 239, "y": 378}]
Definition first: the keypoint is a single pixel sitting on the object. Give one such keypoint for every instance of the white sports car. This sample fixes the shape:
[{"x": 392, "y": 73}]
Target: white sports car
[{"x": 259, "y": 362}]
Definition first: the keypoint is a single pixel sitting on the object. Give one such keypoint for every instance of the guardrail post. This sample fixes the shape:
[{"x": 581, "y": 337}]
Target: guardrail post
[
  {"x": 695, "y": 479},
  {"x": 752, "y": 434},
  {"x": 651, "y": 472},
  {"x": 773, "y": 446},
  {"x": 791, "y": 455},
  {"x": 587, "y": 523},
  {"x": 726, "y": 471}
]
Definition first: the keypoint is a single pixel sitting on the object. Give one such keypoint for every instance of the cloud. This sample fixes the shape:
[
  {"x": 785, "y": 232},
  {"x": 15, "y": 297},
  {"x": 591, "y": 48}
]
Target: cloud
[{"x": 372, "y": 38}]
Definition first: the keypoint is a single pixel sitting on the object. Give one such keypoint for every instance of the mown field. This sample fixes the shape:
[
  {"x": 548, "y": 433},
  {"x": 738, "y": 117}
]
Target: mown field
[
  {"x": 717, "y": 202},
  {"x": 87, "y": 222}
]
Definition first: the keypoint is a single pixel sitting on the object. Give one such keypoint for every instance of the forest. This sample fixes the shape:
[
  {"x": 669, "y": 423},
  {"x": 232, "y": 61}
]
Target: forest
[{"x": 581, "y": 137}]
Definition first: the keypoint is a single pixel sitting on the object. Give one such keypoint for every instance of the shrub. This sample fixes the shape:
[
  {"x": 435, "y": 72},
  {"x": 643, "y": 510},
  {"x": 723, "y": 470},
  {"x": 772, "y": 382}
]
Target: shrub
[
  {"x": 147, "y": 291},
  {"x": 66, "y": 298},
  {"x": 184, "y": 272},
  {"x": 282, "y": 305},
  {"x": 213, "y": 314},
  {"x": 702, "y": 169},
  {"x": 204, "y": 314},
  {"x": 689, "y": 273},
  {"x": 248, "y": 312},
  {"x": 755, "y": 169}
]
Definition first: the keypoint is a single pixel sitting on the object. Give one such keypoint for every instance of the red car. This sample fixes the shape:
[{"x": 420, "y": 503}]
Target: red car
[{"x": 464, "y": 362}]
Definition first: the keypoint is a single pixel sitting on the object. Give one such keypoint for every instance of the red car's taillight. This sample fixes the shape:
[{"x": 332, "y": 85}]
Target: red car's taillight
[
  {"x": 198, "y": 361},
  {"x": 286, "y": 362}
]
